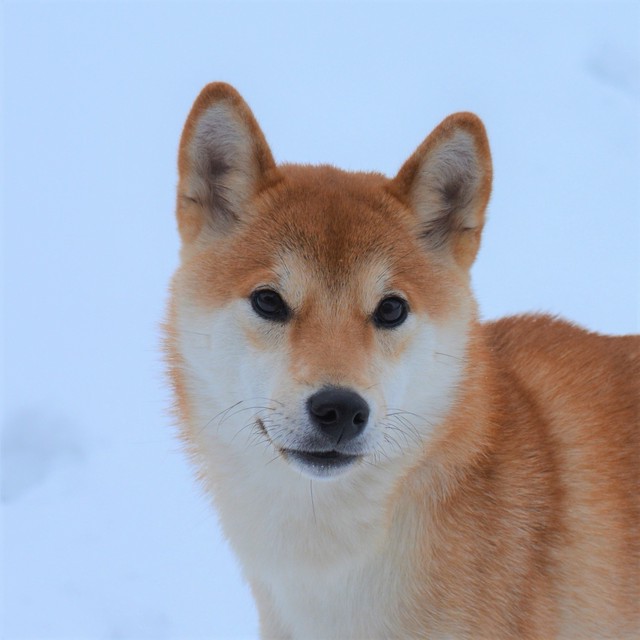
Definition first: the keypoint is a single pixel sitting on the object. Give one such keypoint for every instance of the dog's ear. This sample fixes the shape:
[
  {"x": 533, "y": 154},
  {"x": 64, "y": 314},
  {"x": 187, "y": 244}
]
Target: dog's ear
[
  {"x": 447, "y": 183},
  {"x": 224, "y": 160}
]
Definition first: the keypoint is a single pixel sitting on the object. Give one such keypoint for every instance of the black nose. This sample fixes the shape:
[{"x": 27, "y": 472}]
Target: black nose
[{"x": 339, "y": 413}]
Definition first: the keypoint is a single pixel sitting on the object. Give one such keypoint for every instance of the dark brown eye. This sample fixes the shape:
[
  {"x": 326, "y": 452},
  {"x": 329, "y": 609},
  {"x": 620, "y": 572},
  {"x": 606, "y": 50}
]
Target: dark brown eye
[
  {"x": 391, "y": 312},
  {"x": 269, "y": 305}
]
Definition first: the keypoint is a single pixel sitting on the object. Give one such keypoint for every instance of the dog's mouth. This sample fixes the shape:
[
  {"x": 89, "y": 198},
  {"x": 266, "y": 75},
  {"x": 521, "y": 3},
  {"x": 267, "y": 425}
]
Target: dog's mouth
[
  {"x": 316, "y": 463},
  {"x": 331, "y": 459},
  {"x": 320, "y": 464}
]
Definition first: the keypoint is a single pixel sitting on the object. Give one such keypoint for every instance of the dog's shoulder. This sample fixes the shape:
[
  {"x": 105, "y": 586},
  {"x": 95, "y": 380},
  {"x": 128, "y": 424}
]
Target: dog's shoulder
[{"x": 585, "y": 386}]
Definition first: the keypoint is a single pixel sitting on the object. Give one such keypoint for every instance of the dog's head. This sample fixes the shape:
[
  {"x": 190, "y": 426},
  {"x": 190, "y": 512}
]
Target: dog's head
[{"x": 320, "y": 317}]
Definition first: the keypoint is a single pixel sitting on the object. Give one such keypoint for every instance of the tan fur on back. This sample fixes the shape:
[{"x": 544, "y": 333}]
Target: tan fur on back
[{"x": 497, "y": 492}]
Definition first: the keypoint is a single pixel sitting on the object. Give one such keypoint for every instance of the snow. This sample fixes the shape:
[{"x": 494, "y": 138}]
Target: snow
[{"x": 104, "y": 531}]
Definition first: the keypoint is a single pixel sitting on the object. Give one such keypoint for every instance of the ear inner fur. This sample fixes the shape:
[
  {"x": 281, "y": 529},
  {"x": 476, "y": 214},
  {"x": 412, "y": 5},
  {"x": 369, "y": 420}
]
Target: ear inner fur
[
  {"x": 223, "y": 162},
  {"x": 447, "y": 183}
]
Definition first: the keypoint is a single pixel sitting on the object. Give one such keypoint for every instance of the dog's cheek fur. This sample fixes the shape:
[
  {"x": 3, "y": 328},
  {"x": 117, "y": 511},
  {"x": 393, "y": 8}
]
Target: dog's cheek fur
[
  {"x": 229, "y": 376},
  {"x": 419, "y": 385}
]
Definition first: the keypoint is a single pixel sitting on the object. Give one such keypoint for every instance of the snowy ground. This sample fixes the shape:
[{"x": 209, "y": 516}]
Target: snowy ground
[{"x": 104, "y": 533}]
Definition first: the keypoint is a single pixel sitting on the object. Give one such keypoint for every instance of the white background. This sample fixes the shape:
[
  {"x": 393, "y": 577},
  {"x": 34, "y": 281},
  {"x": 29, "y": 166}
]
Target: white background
[{"x": 105, "y": 534}]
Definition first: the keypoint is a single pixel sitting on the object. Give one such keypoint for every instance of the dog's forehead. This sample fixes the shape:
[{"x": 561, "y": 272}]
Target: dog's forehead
[
  {"x": 326, "y": 231},
  {"x": 318, "y": 232},
  {"x": 332, "y": 219}
]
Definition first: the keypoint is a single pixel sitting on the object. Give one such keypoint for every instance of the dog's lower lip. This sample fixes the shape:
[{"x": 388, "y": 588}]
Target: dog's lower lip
[
  {"x": 322, "y": 458},
  {"x": 323, "y": 461}
]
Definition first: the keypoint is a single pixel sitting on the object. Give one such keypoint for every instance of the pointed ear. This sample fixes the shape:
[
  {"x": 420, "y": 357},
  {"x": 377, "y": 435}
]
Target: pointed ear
[
  {"x": 224, "y": 160},
  {"x": 447, "y": 182}
]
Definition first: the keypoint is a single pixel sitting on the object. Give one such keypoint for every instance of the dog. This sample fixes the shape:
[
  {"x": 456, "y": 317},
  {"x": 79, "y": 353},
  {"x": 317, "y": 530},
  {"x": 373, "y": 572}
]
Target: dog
[{"x": 385, "y": 465}]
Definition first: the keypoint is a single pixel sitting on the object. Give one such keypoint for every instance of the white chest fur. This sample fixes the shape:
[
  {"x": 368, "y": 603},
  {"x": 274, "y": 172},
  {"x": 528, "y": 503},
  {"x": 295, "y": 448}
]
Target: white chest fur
[
  {"x": 359, "y": 600},
  {"x": 323, "y": 553}
]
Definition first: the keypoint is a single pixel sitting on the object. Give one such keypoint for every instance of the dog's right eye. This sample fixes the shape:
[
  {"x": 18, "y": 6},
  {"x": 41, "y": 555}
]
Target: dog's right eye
[
  {"x": 391, "y": 312},
  {"x": 269, "y": 305}
]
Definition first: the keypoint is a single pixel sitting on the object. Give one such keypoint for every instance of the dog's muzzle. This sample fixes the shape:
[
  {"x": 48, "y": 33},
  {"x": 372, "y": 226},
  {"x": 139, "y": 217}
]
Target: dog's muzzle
[{"x": 338, "y": 416}]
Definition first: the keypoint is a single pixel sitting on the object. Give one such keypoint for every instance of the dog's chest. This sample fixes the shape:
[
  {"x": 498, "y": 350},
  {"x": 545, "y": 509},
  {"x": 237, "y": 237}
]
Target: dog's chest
[
  {"x": 358, "y": 601},
  {"x": 352, "y": 583},
  {"x": 331, "y": 566},
  {"x": 330, "y": 559}
]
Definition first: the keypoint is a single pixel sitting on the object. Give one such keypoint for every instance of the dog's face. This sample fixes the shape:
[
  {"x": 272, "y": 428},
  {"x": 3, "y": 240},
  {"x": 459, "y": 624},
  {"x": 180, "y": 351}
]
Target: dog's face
[{"x": 321, "y": 317}]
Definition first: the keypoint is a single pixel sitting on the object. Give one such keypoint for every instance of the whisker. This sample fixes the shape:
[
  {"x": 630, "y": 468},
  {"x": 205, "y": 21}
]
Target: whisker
[
  {"x": 410, "y": 413},
  {"x": 272, "y": 460},
  {"x": 382, "y": 453},
  {"x": 391, "y": 440},
  {"x": 235, "y": 413},
  {"x": 404, "y": 435},
  {"x": 246, "y": 426},
  {"x": 408, "y": 424},
  {"x": 220, "y": 414},
  {"x": 313, "y": 506},
  {"x": 269, "y": 400},
  {"x": 371, "y": 463}
]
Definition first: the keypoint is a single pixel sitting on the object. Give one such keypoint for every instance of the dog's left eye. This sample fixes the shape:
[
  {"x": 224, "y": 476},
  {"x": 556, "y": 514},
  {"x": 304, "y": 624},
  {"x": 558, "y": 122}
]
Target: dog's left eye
[
  {"x": 270, "y": 305},
  {"x": 391, "y": 312}
]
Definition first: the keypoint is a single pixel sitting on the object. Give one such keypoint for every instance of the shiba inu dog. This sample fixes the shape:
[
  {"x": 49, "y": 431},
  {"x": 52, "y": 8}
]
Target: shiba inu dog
[{"x": 384, "y": 464}]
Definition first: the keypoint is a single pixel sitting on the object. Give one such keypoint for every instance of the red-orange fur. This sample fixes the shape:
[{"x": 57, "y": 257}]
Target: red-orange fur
[
  {"x": 527, "y": 503},
  {"x": 539, "y": 512}
]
